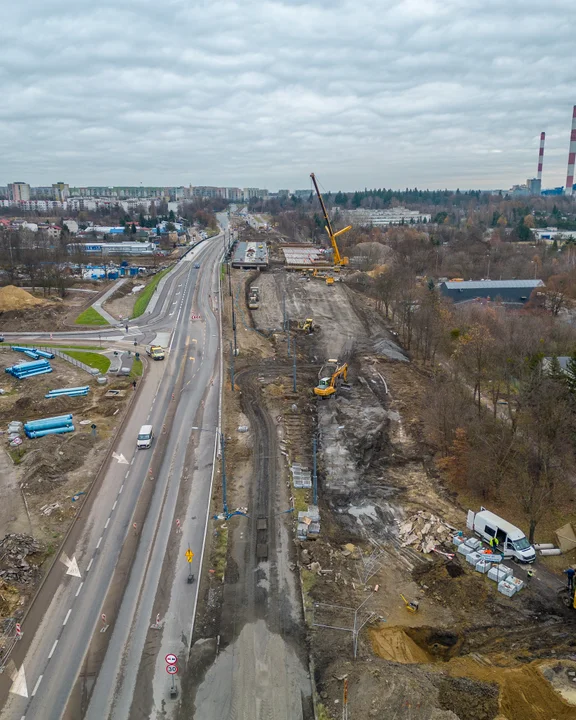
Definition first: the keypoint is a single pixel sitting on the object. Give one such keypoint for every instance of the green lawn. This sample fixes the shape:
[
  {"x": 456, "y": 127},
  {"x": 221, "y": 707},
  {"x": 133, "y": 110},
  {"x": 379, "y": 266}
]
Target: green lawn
[
  {"x": 91, "y": 317},
  {"x": 145, "y": 296},
  {"x": 100, "y": 362},
  {"x": 137, "y": 368},
  {"x": 60, "y": 347}
]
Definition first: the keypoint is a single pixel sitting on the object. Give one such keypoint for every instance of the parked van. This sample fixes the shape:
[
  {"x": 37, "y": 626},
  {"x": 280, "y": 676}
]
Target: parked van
[
  {"x": 145, "y": 437},
  {"x": 512, "y": 542}
]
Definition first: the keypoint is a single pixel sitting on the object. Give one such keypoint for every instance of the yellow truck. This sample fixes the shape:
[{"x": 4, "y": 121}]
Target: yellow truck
[{"x": 155, "y": 352}]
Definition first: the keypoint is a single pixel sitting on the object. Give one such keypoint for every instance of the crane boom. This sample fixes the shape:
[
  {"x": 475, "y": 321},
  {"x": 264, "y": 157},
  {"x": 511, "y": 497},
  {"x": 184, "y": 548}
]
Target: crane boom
[{"x": 338, "y": 259}]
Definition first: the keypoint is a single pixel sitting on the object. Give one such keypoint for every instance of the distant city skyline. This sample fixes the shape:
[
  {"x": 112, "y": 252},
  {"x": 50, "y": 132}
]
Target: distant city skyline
[{"x": 398, "y": 93}]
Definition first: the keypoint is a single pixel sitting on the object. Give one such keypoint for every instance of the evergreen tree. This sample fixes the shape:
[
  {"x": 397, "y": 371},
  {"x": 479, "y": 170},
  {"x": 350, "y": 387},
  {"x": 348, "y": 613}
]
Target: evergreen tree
[
  {"x": 571, "y": 373},
  {"x": 555, "y": 371}
]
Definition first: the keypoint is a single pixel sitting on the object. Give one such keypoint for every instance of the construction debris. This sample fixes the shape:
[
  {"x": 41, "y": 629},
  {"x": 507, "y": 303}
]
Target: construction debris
[
  {"x": 14, "y": 551},
  {"x": 424, "y": 531}
]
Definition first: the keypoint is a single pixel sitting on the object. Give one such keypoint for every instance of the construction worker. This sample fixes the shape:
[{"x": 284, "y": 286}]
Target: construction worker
[
  {"x": 570, "y": 572},
  {"x": 529, "y": 575},
  {"x": 134, "y": 384},
  {"x": 493, "y": 543}
]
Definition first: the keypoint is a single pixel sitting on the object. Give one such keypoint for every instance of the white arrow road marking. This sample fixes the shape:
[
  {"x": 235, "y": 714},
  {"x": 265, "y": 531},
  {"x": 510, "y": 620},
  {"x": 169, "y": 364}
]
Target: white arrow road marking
[
  {"x": 19, "y": 686},
  {"x": 121, "y": 459},
  {"x": 72, "y": 565}
]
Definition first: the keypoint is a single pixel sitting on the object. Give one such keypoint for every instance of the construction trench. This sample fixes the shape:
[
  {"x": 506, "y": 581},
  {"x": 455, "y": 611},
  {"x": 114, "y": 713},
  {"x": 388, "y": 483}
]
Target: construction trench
[{"x": 260, "y": 644}]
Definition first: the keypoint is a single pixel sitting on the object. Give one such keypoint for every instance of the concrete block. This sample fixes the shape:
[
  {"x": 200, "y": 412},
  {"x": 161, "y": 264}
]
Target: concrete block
[
  {"x": 458, "y": 540},
  {"x": 464, "y": 549},
  {"x": 506, "y": 588},
  {"x": 499, "y": 573},
  {"x": 518, "y": 584},
  {"x": 474, "y": 543},
  {"x": 482, "y": 566},
  {"x": 473, "y": 558}
]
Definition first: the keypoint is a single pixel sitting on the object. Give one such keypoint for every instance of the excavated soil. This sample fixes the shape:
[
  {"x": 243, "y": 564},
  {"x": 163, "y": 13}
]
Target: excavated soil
[{"x": 15, "y": 298}]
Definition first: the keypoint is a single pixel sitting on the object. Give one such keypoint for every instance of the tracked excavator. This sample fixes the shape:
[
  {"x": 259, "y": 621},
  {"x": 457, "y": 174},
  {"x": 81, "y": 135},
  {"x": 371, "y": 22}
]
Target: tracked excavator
[{"x": 330, "y": 384}]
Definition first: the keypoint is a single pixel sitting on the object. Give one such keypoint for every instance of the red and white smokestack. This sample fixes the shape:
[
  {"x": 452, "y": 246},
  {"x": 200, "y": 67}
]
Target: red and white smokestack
[
  {"x": 541, "y": 155},
  {"x": 571, "y": 155}
]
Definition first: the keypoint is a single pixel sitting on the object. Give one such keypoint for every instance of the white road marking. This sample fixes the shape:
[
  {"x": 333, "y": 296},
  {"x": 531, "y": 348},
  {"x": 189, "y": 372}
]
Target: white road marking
[
  {"x": 132, "y": 461},
  {"x": 90, "y": 564},
  {"x": 107, "y": 523},
  {"x": 99, "y": 541},
  {"x": 126, "y": 476},
  {"x": 37, "y": 685},
  {"x": 114, "y": 506},
  {"x": 53, "y": 648},
  {"x": 79, "y": 588},
  {"x": 121, "y": 488},
  {"x": 67, "y": 616}
]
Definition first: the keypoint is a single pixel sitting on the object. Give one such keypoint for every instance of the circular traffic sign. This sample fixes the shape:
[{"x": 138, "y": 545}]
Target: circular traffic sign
[
  {"x": 171, "y": 669},
  {"x": 171, "y": 659}
]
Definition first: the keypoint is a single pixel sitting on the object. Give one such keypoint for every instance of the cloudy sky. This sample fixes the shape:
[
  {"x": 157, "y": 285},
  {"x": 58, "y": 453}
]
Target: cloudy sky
[{"x": 386, "y": 93}]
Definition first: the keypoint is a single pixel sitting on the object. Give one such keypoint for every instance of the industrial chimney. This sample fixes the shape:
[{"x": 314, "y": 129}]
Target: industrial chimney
[
  {"x": 571, "y": 155},
  {"x": 541, "y": 156}
]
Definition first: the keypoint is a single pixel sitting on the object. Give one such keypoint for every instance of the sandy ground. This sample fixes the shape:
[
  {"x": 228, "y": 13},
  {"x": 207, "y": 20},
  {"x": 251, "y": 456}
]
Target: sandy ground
[{"x": 121, "y": 303}]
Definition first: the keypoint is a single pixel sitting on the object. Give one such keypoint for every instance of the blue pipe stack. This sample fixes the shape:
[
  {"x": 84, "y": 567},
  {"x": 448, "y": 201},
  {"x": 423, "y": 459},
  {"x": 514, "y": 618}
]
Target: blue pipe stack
[
  {"x": 33, "y": 353},
  {"x": 49, "y": 426},
  {"x": 29, "y": 369},
  {"x": 69, "y": 392}
]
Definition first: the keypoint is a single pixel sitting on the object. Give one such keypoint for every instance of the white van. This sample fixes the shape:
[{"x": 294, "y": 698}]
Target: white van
[
  {"x": 512, "y": 542},
  {"x": 145, "y": 437}
]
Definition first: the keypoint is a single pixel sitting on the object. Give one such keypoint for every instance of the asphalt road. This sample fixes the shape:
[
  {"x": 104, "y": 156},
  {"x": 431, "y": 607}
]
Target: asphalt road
[{"x": 67, "y": 612}]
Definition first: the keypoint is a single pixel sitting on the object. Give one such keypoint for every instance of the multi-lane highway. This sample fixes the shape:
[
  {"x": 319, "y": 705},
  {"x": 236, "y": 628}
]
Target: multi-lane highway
[{"x": 86, "y": 650}]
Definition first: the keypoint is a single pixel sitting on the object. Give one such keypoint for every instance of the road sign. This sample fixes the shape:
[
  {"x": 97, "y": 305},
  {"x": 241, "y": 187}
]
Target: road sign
[
  {"x": 171, "y": 669},
  {"x": 189, "y": 555},
  {"x": 18, "y": 630},
  {"x": 171, "y": 659}
]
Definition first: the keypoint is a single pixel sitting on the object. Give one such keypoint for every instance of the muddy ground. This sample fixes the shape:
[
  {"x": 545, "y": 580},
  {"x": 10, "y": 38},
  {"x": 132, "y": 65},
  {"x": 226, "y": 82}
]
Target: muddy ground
[
  {"x": 40, "y": 478},
  {"x": 121, "y": 303},
  {"x": 468, "y": 652}
]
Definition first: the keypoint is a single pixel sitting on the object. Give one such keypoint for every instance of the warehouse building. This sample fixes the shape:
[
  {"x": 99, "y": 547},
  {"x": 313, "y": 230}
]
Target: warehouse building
[
  {"x": 510, "y": 292},
  {"x": 125, "y": 248}
]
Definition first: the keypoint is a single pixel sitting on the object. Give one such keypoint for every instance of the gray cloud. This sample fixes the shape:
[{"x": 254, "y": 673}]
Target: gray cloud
[{"x": 386, "y": 93}]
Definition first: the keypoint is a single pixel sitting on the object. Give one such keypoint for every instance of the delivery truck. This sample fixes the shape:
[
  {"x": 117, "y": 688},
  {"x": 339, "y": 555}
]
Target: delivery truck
[{"x": 509, "y": 540}]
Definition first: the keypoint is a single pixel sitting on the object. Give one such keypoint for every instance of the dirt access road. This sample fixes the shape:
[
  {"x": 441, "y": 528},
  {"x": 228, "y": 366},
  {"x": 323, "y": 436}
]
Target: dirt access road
[{"x": 261, "y": 671}]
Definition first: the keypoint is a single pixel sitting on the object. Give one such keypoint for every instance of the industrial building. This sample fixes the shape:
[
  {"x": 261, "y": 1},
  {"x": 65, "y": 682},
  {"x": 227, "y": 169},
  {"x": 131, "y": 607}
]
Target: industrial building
[
  {"x": 391, "y": 216},
  {"x": 509, "y": 292},
  {"x": 125, "y": 248},
  {"x": 250, "y": 256}
]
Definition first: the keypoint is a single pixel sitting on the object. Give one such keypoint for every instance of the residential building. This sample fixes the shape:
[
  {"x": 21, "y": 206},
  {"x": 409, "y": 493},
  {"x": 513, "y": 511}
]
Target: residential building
[
  {"x": 509, "y": 292},
  {"x": 61, "y": 191},
  {"x": 19, "y": 192}
]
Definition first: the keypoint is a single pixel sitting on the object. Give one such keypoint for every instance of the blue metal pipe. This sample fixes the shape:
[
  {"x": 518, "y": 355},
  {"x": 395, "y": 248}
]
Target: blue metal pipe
[
  {"x": 44, "y": 354},
  {"x": 76, "y": 393},
  {"x": 31, "y": 354},
  {"x": 51, "y": 431},
  {"x": 62, "y": 419},
  {"x": 63, "y": 391}
]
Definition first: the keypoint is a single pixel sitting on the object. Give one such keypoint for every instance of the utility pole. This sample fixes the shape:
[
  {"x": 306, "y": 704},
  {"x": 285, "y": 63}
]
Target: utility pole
[
  {"x": 288, "y": 336},
  {"x": 284, "y": 310},
  {"x": 232, "y": 367},
  {"x": 229, "y": 279},
  {"x": 294, "y": 365},
  {"x": 223, "y": 464},
  {"x": 314, "y": 472},
  {"x": 234, "y": 327}
]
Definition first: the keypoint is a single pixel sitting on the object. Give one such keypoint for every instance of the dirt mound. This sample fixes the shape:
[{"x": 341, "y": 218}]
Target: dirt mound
[
  {"x": 20, "y": 558},
  {"x": 48, "y": 465},
  {"x": 14, "y": 298},
  {"x": 469, "y": 699},
  {"x": 26, "y": 408}
]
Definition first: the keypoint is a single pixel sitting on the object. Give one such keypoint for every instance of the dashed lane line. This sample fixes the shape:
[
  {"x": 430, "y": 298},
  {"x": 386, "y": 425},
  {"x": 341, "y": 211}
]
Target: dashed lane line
[
  {"x": 114, "y": 506},
  {"x": 37, "y": 685},
  {"x": 67, "y": 616},
  {"x": 79, "y": 588},
  {"x": 89, "y": 564},
  {"x": 121, "y": 488},
  {"x": 98, "y": 543},
  {"x": 53, "y": 648},
  {"x": 107, "y": 523}
]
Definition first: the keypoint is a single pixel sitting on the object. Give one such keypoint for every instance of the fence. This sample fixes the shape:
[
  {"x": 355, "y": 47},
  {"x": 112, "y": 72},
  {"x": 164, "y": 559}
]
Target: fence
[{"x": 62, "y": 355}]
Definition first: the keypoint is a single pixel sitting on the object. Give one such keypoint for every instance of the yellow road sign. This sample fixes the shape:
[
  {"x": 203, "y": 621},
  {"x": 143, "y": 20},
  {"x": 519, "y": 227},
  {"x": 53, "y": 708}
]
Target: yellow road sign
[{"x": 189, "y": 555}]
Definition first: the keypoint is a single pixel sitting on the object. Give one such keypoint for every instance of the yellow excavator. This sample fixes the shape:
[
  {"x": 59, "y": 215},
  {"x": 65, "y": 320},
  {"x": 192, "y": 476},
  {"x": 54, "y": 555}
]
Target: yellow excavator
[
  {"x": 328, "y": 385},
  {"x": 307, "y": 325},
  {"x": 338, "y": 259}
]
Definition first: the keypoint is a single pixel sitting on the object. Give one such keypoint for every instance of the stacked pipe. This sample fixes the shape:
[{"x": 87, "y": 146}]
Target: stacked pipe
[
  {"x": 69, "y": 392},
  {"x": 49, "y": 426},
  {"x": 29, "y": 369},
  {"x": 33, "y": 353}
]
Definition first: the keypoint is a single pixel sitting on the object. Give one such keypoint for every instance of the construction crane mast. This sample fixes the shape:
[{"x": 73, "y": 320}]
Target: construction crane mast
[{"x": 338, "y": 259}]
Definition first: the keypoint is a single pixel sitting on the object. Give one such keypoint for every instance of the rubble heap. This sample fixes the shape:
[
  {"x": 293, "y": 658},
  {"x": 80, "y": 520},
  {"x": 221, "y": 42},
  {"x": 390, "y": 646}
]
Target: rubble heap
[
  {"x": 424, "y": 531},
  {"x": 14, "y": 551}
]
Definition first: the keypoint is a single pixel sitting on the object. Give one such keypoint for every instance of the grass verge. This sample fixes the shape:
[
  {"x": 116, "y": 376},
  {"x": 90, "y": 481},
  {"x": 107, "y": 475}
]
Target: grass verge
[
  {"x": 94, "y": 360},
  {"x": 17, "y": 454},
  {"x": 40, "y": 346},
  {"x": 137, "y": 369},
  {"x": 145, "y": 296},
  {"x": 219, "y": 553},
  {"x": 91, "y": 317}
]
